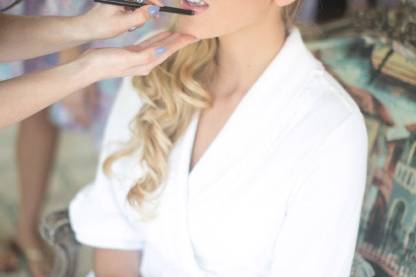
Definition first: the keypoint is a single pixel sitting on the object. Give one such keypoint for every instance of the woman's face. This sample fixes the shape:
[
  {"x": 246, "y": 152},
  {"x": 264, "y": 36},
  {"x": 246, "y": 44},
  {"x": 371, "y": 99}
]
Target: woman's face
[{"x": 215, "y": 18}]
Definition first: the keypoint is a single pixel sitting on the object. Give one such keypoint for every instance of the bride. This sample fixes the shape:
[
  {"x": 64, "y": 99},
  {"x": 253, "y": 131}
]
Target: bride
[{"x": 238, "y": 156}]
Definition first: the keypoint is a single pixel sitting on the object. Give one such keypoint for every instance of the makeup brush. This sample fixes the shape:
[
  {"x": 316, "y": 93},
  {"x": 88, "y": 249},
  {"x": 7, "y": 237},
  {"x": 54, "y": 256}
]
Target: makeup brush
[{"x": 138, "y": 5}]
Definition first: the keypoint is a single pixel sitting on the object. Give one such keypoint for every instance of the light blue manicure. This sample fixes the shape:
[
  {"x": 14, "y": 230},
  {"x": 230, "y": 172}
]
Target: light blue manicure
[
  {"x": 159, "y": 51},
  {"x": 154, "y": 10}
]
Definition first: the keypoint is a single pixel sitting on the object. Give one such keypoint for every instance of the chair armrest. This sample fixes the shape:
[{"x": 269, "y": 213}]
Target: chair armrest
[{"x": 56, "y": 230}]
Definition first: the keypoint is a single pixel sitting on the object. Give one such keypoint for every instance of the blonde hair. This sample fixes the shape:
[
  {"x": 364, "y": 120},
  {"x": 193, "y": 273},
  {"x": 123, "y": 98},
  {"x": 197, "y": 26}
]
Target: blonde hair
[{"x": 171, "y": 94}]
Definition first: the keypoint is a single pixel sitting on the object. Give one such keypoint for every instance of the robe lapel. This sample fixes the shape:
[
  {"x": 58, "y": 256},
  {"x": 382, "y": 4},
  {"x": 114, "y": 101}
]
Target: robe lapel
[
  {"x": 252, "y": 129},
  {"x": 260, "y": 117},
  {"x": 182, "y": 250}
]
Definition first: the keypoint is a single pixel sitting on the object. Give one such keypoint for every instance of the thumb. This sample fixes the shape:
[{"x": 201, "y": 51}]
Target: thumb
[{"x": 138, "y": 17}]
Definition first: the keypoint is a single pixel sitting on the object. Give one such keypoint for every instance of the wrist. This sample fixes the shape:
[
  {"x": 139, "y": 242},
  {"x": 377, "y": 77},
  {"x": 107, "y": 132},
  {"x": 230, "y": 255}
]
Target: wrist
[
  {"x": 82, "y": 32},
  {"x": 81, "y": 71}
]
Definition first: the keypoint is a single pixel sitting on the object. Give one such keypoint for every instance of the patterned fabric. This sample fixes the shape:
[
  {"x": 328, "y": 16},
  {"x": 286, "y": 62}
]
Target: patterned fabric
[
  {"x": 309, "y": 9},
  {"x": 387, "y": 235},
  {"x": 59, "y": 115},
  {"x": 37, "y": 7}
]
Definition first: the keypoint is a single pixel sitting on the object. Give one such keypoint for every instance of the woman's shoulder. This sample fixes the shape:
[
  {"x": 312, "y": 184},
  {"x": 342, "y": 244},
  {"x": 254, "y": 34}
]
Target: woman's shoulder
[
  {"x": 325, "y": 108},
  {"x": 327, "y": 100},
  {"x": 318, "y": 96}
]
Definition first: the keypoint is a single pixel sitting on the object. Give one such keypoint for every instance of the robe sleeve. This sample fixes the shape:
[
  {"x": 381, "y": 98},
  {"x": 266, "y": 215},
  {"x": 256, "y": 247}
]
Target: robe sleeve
[
  {"x": 319, "y": 232},
  {"x": 97, "y": 214}
]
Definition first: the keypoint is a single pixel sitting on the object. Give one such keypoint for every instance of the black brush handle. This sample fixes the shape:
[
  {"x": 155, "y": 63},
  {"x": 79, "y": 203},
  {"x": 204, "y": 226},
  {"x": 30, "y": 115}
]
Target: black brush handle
[{"x": 138, "y": 5}]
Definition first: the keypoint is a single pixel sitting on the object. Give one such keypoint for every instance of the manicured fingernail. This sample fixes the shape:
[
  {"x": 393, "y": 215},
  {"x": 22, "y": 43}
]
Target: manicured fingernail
[
  {"x": 159, "y": 51},
  {"x": 153, "y": 10}
]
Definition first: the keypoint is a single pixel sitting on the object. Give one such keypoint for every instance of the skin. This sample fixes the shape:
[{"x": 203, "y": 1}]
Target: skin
[
  {"x": 31, "y": 36},
  {"x": 37, "y": 143},
  {"x": 241, "y": 28},
  {"x": 27, "y": 37}
]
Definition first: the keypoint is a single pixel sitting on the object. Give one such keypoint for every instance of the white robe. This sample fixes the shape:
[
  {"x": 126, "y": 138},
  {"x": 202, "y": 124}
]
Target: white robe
[{"x": 277, "y": 193}]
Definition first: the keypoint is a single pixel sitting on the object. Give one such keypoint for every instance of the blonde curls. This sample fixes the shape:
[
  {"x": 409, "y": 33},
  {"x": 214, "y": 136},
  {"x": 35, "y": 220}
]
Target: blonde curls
[{"x": 171, "y": 94}]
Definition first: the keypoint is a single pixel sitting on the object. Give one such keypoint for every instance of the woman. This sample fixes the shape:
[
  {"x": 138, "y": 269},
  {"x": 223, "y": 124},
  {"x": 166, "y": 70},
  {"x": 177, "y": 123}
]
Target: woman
[
  {"x": 240, "y": 156},
  {"x": 28, "y": 37}
]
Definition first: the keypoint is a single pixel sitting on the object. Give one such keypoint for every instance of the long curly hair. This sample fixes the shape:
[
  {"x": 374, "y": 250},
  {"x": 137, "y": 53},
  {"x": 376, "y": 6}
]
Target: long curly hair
[{"x": 171, "y": 94}]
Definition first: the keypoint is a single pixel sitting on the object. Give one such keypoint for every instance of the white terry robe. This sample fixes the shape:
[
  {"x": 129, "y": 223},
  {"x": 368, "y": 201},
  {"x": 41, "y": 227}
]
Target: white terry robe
[{"x": 277, "y": 193}]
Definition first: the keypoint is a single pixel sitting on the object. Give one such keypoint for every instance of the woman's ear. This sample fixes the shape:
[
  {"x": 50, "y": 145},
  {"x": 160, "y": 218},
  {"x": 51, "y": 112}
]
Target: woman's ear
[{"x": 284, "y": 3}]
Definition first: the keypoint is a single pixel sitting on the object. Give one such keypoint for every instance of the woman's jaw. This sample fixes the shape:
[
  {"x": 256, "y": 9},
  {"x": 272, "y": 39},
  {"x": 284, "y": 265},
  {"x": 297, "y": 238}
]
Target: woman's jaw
[{"x": 216, "y": 18}]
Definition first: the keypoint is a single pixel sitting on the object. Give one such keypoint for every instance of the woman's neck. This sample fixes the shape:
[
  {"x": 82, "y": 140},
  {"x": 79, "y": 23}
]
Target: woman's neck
[{"x": 244, "y": 55}]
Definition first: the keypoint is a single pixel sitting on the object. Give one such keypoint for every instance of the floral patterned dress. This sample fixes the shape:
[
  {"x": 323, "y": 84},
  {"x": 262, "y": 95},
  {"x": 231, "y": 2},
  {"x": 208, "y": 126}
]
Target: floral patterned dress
[{"x": 108, "y": 88}]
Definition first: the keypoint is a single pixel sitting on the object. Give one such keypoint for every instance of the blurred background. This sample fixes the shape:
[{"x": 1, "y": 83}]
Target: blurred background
[{"x": 369, "y": 46}]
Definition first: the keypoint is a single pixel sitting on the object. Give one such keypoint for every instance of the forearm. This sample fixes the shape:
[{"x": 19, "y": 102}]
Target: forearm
[
  {"x": 24, "y": 37},
  {"x": 23, "y": 96},
  {"x": 70, "y": 54},
  {"x": 26, "y": 95}
]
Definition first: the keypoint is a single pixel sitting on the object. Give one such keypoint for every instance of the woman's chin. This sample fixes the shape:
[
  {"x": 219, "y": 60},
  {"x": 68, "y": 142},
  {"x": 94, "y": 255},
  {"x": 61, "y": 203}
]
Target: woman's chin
[
  {"x": 181, "y": 27},
  {"x": 196, "y": 33},
  {"x": 185, "y": 26}
]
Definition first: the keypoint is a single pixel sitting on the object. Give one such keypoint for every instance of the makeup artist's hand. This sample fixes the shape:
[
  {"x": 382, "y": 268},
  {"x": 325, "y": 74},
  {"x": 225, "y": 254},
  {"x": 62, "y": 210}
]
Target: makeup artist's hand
[
  {"x": 27, "y": 37},
  {"x": 134, "y": 60},
  {"x": 108, "y": 21}
]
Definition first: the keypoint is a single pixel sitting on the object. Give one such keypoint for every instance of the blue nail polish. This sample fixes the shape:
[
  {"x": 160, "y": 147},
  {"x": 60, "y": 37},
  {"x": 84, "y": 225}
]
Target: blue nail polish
[
  {"x": 159, "y": 51},
  {"x": 153, "y": 10}
]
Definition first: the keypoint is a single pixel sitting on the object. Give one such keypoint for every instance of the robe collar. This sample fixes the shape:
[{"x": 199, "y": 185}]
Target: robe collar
[
  {"x": 254, "y": 127},
  {"x": 255, "y": 122}
]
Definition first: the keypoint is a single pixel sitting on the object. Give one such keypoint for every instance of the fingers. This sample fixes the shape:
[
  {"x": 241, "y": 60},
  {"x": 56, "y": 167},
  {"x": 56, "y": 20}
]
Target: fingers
[
  {"x": 105, "y": 21},
  {"x": 150, "y": 41},
  {"x": 154, "y": 56},
  {"x": 157, "y": 2},
  {"x": 138, "y": 17},
  {"x": 161, "y": 48},
  {"x": 135, "y": 59}
]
